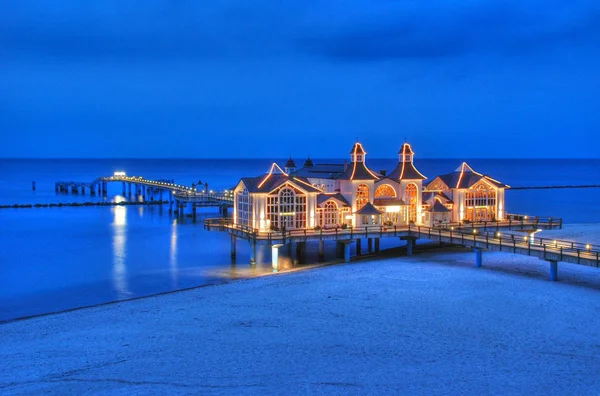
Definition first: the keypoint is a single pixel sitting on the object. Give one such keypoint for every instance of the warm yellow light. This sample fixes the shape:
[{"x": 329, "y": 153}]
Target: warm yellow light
[
  {"x": 525, "y": 238},
  {"x": 452, "y": 228},
  {"x": 588, "y": 247},
  {"x": 474, "y": 231},
  {"x": 499, "y": 234},
  {"x": 525, "y": 217}
]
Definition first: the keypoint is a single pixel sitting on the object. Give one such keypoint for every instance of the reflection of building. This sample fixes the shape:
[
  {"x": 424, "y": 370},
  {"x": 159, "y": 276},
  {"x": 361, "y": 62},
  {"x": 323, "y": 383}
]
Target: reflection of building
[{"x": 339, "y": 195}]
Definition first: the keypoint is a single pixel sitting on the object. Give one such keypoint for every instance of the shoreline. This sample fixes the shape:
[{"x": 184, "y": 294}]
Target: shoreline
[{"x": 390, "y": 253}]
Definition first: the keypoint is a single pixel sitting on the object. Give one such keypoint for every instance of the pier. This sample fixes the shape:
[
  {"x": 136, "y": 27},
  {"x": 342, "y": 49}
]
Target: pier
[
  {"x": 181, "y": 199},
  {"x": 480, "y": 236}
]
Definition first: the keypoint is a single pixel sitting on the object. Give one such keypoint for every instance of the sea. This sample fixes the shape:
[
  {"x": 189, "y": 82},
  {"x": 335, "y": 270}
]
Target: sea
[{"x": 61, "y": 258}]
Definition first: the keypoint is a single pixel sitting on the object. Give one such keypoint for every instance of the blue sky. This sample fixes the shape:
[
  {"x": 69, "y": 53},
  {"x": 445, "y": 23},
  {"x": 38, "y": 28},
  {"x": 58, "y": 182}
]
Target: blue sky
[{"x": 203, "y": 79}]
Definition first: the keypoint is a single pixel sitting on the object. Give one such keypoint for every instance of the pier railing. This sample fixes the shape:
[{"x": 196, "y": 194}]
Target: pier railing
[{"x": 545, "y": 248}]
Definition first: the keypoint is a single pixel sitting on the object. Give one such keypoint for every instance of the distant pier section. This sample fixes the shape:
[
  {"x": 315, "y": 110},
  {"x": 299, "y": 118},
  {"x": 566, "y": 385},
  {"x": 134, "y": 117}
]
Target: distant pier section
[{"x": 181, "y": 198}]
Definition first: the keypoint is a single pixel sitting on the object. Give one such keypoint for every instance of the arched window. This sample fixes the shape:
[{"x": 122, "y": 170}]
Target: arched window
[
  {"x": 481, "y": 203},
  {"x": 330, "y": 214},
  {"x": 410, "y": 196},
  {"x": 287, "y": 209},
  {"x": 385, "y": 190},
  {"x": 362, "y": 196}
]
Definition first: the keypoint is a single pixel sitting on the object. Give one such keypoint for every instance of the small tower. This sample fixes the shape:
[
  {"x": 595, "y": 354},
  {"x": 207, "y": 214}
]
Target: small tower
[
  {"x": 290, "y": 166},
  {"x": 357, "y": 154},
  {"x": 406, "y": 154},
  {"x": 308, "y": 163}
]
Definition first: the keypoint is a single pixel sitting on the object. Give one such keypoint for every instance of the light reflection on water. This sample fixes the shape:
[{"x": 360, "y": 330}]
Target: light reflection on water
[
  {"x": 173, "y": 255},
  {"x": 119, "y": 228}
]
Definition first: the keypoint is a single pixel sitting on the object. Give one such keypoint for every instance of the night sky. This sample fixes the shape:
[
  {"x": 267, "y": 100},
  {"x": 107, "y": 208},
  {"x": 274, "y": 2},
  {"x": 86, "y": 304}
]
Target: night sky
[{"x": 237, "y": 78}]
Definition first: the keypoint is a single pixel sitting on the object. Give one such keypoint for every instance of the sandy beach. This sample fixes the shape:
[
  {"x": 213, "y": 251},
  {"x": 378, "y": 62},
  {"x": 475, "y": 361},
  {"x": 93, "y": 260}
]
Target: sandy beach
[{"x": 426, "y": 324}]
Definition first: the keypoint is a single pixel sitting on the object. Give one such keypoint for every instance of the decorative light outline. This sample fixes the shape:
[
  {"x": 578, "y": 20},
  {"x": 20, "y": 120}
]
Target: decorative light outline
[
  {"x": 271, "y": 172},
  {"x": 356, "y": 145},
  {"x": 411, "y": 161}
]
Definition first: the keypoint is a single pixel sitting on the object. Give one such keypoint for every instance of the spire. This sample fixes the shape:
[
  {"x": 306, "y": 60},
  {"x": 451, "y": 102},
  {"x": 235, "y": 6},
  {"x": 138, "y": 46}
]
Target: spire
[
  {"x": 290, "y": 165},
  {"x": 308, "y": 163}
]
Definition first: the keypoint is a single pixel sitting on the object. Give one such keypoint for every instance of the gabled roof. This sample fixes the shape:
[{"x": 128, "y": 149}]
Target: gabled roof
[
  {"x": 368, "y": 209},
  {"x": 274, "y": 179},
  {"x": 322, "y": 198},
  {"x": 430, "y": 196},
  {"x": 406, "y": 171},
  {"x": 438, "y": 208},
  {"x": 431, "y": 183},
  {"x": 464, "y": 177},
  {"x": 359, "y": 171}
]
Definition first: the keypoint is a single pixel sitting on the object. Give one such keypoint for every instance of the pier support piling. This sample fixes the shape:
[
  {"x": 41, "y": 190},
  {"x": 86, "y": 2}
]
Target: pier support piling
[
  {"x": 409, "y": 247},
  {"x": 370, "y": 244},
  {"x": 321, "y": 250},
  {"x": 275, "y": 257},
  {"x": 478, "y": 257},
  {"x": 553, "y": 270},
  {"x": 377, "y": 244},
  {"x": 358, "y": 247},
  {"x": 252, "y": 252},
  {"x": 233, "y": 251}
]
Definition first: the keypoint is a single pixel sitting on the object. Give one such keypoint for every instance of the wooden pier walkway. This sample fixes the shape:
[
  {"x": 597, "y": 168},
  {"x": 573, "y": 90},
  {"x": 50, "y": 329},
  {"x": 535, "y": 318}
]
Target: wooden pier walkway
[{"x": 478, "y": 236}]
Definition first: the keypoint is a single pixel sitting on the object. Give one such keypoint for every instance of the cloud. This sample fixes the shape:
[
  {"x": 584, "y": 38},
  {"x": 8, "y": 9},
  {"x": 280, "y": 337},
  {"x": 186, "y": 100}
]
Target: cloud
[
  {"x": 336, "y": 29},
  {"x": 439, "y": 29},
  {"x": 145, "y": 29}
]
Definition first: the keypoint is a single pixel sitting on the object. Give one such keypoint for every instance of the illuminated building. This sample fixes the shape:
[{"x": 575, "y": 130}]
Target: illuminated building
[
  {"x": 352, "y": 195},
  {"x": 470, "y": 195}
]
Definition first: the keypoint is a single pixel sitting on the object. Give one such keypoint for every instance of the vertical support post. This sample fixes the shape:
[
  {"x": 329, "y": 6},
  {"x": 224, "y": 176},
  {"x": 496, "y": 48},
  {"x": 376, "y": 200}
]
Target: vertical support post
[
  {"x": 194, "y": 211},
  {"x": 370, "y": 244},
  {"x": 233, "y": 251},
  {"x": 129, "y": 189},
  {"x": 478, "y": 257},
  {"x": 409, "y": 247},
  {"x": 339, "y": 249},
  {"x": 124, "y": 189},
  {"x": 553, "y": 270},
  {"x": 358, "y": 246},
  {"x": 321, "y": 250},
  {"x": 377, "y": 244},
  {"x": 300, "y": 249},
  {"x": 253, "y": 252},
  {"x": 347, "y": 252},
  {"x": 275, "y": 257},
  {"x": 170, "y": 206}
]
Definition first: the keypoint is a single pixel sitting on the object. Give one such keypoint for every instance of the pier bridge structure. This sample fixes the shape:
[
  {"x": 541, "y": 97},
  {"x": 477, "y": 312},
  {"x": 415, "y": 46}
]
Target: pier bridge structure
[
  {"x": 181, "y": 198},
  {"x": 479, "y": 236}
]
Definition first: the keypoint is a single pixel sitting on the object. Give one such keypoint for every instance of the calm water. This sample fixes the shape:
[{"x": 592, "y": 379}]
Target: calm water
[{"x": 53, "y": 259}]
